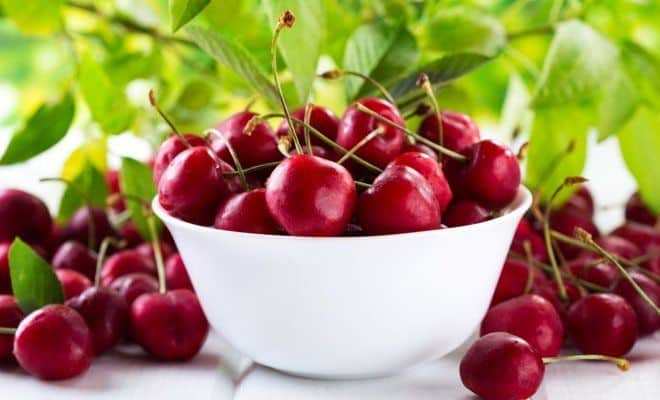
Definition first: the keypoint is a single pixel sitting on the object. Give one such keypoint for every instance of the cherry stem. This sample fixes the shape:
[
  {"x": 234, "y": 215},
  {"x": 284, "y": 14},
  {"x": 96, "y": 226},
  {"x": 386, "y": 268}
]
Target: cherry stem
[
  {"x": 232, "y": 153},
  {"x": 308, "y": 140},
  {"x": 286, "y": 20},
  {"x": 360, "y": 144},
  {"x": 621, "y": 363},
  {"x": 254, "y": 168},
  {"x": 105, "y": 244},
  {"x": 425, "y": 84},
  {"x": 91, "y": 227},
  {"x": 530, "y": 267},
  {"x": 338, "y": 73},
  {"x": 154, "y": 104},
  {"x": 646, "y": 257},
  {"x": 158, "y": 253},
  {"x": 363, "y": 184},
  {"x": 7, "y": 331},
  {"x": 435, "y": 146}
]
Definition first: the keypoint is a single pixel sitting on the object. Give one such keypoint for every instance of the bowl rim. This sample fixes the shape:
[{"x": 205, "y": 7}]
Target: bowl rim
[{"x": 520, "y": 205}]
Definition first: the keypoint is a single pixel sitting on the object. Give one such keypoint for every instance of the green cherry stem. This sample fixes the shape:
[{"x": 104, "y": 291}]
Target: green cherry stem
[
  {"x": 105, "y": 244},
  {"x": 363, "y": 184},
  {"x": 232, "y": 153},
  {"x": 424, "y": 83},
  {"x": 254, "y": 168},
  {"x": 621, "y": 363},
  {"x": 308, "y": 141},
  {"x": 154, "y": 104},
  {"x": 7, "y": 331},
  {"x": 158, "y": 253},
  {"x": 530, "y": 267},
  {"x": 338, "y": 73},
  {"x": 360, "y": 144}
]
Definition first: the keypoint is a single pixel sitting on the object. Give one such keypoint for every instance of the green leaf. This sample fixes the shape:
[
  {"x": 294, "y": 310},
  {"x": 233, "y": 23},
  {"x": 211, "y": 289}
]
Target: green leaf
[
  {"x": 640, "y": 146},
  {"x": 123, "y": 67},
  {"x": 234, "y": 56},
  {"x": 645, "y": 67},
  {"x": 32, "y": 279},
  {"x": 380, "y": 51},
  {"x": 107, "y": 101},
  {"x": 91, "y": 182},
  {"x": 45, "y": 128},
  {"x": 182, "y": 11},
  {"x": 38, "y": 17},
  {"x": 301, "y": 45},
  {"x": 136, "y": 179}
]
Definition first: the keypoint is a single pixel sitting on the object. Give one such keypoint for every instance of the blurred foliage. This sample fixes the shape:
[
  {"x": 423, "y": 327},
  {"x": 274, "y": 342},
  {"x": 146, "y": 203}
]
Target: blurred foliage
[{"x": 547, "y": 71}]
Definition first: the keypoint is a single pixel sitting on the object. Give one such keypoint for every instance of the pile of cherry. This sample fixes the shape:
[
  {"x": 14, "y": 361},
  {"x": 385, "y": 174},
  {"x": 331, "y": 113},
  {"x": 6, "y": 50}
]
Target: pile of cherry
[
  {"x": 598, "y": 311},
  {"x": 109, "y": 301}
]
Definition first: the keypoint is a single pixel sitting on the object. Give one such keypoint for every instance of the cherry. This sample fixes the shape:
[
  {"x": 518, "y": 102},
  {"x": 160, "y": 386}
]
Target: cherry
[
  {"x": 566, "y": 222},
  {"x": 580, "y": 202},
  {"x": 10, "y": 316},
  {"x": 648, "y": 321},
  {"x": 73, "y": 282},
  {"x": 54, "y": 343},
  {"x": 192, "y": 186},
  {"x": 431, "y": 171},
  {"x": 5, "y": 280},
  {"x": 246, "y": 212},
  {"x": 458, "y": 131},
  {"x": 176, "y": 275},
  {"x": 355, "y": 125},
  {"x": 73, "y": 255},
  {"x": 637, "y": 211},
  {"x": 590, "y": 270},
  {"x": 147, "y": 250},
  {"x": 78, "y": 226},
  {"x": 464, "y": 212},
  {"x": 310, "y": 196},
  {"x": 133, "y": 285},
  {"x": 501, "y": 366},
  {"x": 320, "y": 118},
  {"x": 169, "y": 149},
  {"x": 23, "y": 215},
  {"x": 550, "y": 292},
  {"x": 129, "y": 233},
  {"x": 525, "y": 233},
  {"x": 513, "y": 280},
  {"x": 604, "y": 324},
  {"x": 112, "y": 180},
  {"x": 54, "y": 239},
  {"x": 644, "y": 236},
  {"x": 419, "y": 148},
  {"x": 317, "y": 151},
  {"x": 125, "y": 262},
  {"x": 170, "y": 326},
  {"x": 399, "y": 201},
  {"x": 616, "y": 245}
]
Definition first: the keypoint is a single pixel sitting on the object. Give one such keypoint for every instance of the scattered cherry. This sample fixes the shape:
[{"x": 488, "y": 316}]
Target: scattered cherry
[
  {"x": 514, "y": 278},
  {"x": 581, "y": 202},
  {"x": 73, "y": 282},
  {"x": 176, "y": 275},
  {"x": 246, "y": 212},
  {"x": 616, "y": 245},
  {"x": 458, "y": 130},
  {"x": 648, "y": 320},
  {"x": 644, "y": 236},
  {"x": 171, "y": 148},
  {"x": 525, "y": 233},
  {"x": 125, "y": 262},
  {"x": 23, "y": 215},
  {"x": 10, "y": 316},
  {"x": 637, "y": 211},
  {"x": 133, "y": 285},
  {"x": 550, "y": 292},
  {"x": 464, "y": 212},
  {"x": 566, "y": 222},
  {"x": 75, "y": 256}
]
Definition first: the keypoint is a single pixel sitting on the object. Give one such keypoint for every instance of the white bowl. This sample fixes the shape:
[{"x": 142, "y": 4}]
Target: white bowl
[{"x": 346, "y": 307}]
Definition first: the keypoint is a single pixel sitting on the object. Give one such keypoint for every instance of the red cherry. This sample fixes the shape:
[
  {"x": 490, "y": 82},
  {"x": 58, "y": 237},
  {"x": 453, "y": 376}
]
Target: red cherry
[
  {"x": 5, "y": 280},
  {"x": 317, "y": 151},
  {"x": 54, "y": 343},
  {"x": 171, "y": 148},
  {"x": 176, "y": 275},
  {"x": 644, "y": 236},
  {"x": 78, "y": 226},
  {"x": 106, "y": 314},
  {"x": 133, "y": 285},
  {"x": 501, "y": 366},
  {"x": 581, "y": 202},
  {"x": 112, "y": 180},
  {"x": 355, "y": 125},
  {"x": 147, "y": 250},
  {"x": 603, "y": 324},
  {"x": 615, "y": 245},
  {"x": 257, "y": 147},
  {"x": 550, "y": 292},
  {"x": 170, "y": 326},
  {"x": 310, "y": 196},
  {"x": 130, "y": 234},
  {"x": 54, "y": 240},
  {"x": 419, "y": 148},
  {"x": 464, "y": 212},
  {"x": 431, "y": 171},
  {"x": 566, "y": 222},
  {"x": 648, "y": 321},
  {"x": 458, "y": 131},
  {"x": 525, "y": 233},
  {"x": 320, "y": 118},
  {"x": 530, "y": 317},
  {"x": 246, "y": 212},
  {"x": 192, "y": 186},
  {"x": 399, "y": 201},
  {"x": 600, "y": 273},
  {"x": 23, "y": 215},
  {"x": 10, "y": 316},
  {"x": 637, "y": 211},
  {"x": 123, "y": 263},
  {"x": 73, "y": 282},
  {"x": 75, "y": 256},
  {"x": 513, "y": 280}
]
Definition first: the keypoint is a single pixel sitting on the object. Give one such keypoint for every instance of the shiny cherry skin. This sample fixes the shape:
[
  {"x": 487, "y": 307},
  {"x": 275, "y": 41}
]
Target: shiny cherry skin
[
  {"x": 600, "y": 273},
  {"x": 170, "y": 326},
  {"x": 530, "y": 317},
  {"x": 604, "y": 324},
  {"x": 106, "y": 314},
  {"x": 637, "y": 211},
  {"x": 311, "y": 196},
  {"x": 75, "y": 256},
  {"x": 458, "y": 130},
  {"x": 501, "y": 366},
  {"x": 147, "y": 250},
  {"x": 192, "y": 186},
  {"x": 130, "y": 234},
  {"x": 10, "y": 316},
  {"x": 176, "y": 275},
  {"x": 419, "y": 148},
  {"x": 133, "y": 285},
  {"x": 54, "y": 343},
  {"x": 23, "y": 215},
  {"x": 112, "y": 180},
  {"x": 462, "y": 212},
  {"x": 73, "y": 282},
  {"x": 550, "y": 292},
  {"x": 399, "y": 201},
  {"x": 258, "y": 147},
  {"x": 78, "y": 226},
  {"x": 169, "y": 149},
  {"x": 5, "y": 280},
  {"x": 566, "y": 222},
  {"x": 648, "y": 321},
  {"x": 320, "y": 118},
  {"x": 525, "y": 233},
  {"x": 644, "y": 236},
  {"x": 125, "y": 262},
  {"x": 431, "y": 171},
  {"x": 355, "y": 125},
  {"x": 246, "y": 212},
  {"x": 513, "y": 280}
]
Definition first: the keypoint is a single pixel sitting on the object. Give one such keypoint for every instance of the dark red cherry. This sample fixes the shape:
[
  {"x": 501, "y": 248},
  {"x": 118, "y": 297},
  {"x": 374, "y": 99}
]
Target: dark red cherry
[
  {"x": 513, "y": 280},
  {"x": 462, "y": 212},
  {"x": 106, "y": 314},
  {"x": 580, "y": 202},
  {"x": 147, "y": 250},
  {"x": 637, "y": 211},
  {"x": 501, "y": 366},
  {"x": 257, "y": 147},
  {"x": 525, "y": 233},
  {"x": 644, "y": 236},
  {"x": 399, "y": 201},
  {"x": 600, "y": 273},
  {"x": 615, "y": 245},
  {"x": 176, "y": 275},
  {"x": 75, "y": 256},
  {"x": 112, "y": 180},
  {"x": 550, "y": 292},
  {"x": 355, "y": 125},
  {"x": 54, "y": 239},
  {"x": 130, "y": 234},
  {"x": 125, "y": 262},
  {"x": 54, "y": 343},
  {"x": 73, "y": 282},
  {"x": 431, "y": 171},
  {"x": 246, "y": 212},
  {"x": 10, "y": 316},
  {"x": 648, "y": 321},
  {"x": 5, "y": 280},
  {"x": 170, "y": 326},
  {"x": 311, "y": 196},
  {"x": 458, "y": 131},
  {"x": 133, "y": 285},
  {"x": 604, "y": 324},
  {"x": 566, "y": 222},
  {"x": 23, "y": 215},
  {"x": 192, "y": 186},
  {"x": 419, "y": 148},
  {"x": 171, "y": 148},
  {"x": 320, "y": 118},
  {"x": 78, "y": 226},
  {"x": 317, "y": 151}
]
